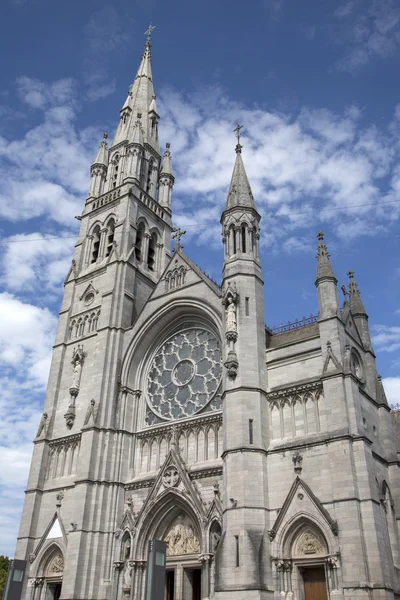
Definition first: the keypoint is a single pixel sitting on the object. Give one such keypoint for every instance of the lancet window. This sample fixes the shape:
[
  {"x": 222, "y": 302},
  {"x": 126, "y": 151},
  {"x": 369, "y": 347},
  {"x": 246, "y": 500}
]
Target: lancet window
[
  {"x": 151, "y": 256},
  {"x": 149, "y": 176},
  {"x": 110, "y": 236},
  {"x": 139, "y": 241},
  {"x": 95, "y": 244},
  {"x": 243, "y": 235}
]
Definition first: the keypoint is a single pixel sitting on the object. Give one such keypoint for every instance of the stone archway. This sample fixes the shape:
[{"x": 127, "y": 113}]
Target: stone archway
[
  {"x": 51, "y": 571},
  {"x": 308, "y": 568}
]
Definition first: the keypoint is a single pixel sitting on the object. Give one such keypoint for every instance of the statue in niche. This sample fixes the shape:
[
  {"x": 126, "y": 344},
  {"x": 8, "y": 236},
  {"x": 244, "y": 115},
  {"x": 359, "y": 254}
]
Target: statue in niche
[
  {"x": 78, "y": 358},
  {"x": 230, "y": 312},
  {"x": 182, "y": 539},
  {"x": 127, "y": 575}
]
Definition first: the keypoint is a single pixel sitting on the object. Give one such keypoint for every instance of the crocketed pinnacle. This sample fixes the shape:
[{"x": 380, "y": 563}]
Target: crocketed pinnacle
[
  {"x": 166, "y": 167},
  {"x": 356, "y": 304},
  {"x": 137, "y": 135},
  {"x": 101, "y": 157},
  {"x": 240, "y": 194},
  {"x": 324, "y": 267}
]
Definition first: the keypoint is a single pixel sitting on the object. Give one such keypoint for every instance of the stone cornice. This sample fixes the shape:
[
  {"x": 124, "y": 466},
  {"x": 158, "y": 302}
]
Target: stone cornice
[{"x": 70, "y": 439}]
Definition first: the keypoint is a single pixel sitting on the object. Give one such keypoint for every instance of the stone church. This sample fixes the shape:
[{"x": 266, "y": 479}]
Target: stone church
[{"x": 263, "y": 458}]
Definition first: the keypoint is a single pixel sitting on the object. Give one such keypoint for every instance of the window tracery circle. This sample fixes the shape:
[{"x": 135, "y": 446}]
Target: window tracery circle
[{"x": 184, "y": 374}]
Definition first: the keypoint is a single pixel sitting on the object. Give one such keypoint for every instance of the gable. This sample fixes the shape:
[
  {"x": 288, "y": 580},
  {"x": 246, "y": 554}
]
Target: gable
[
  {"x": 181, "y": 273},
  {"x": 299, "y": 501}
]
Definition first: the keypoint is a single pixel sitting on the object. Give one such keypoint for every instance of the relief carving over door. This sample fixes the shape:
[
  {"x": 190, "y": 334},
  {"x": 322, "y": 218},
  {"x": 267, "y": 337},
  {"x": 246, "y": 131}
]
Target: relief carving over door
[{"x": 181, "y": 539}]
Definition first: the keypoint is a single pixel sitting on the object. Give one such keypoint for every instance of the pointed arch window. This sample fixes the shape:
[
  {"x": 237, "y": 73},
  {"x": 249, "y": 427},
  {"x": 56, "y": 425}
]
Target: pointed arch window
[
  {"x": 243, "y": 236},
  {"x": 151, "y": 256},
  {"x": 114, "y": 180},
  {"x": 232, "y": 235},
  {"x": 139, "y": 242},
  {"x": 95, "y": 244},
  {"x": 149, "y": 175},
  {"x": 110, "y": 236}
]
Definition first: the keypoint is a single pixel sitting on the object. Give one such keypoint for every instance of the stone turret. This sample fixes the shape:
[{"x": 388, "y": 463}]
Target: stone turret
[
  {"x": 98, "y": 170},
  {"x": 245, "y": 408}
]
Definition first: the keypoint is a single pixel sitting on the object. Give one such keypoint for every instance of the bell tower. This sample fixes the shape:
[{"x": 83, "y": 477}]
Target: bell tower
[{"x": 121, "y": 252}]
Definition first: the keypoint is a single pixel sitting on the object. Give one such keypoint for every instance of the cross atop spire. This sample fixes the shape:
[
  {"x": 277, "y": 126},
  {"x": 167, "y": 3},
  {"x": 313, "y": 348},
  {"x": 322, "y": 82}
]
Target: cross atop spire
[
  {"x": 237, "y": 132},
  {"x": 148, "y": 32},
  {"x": 178, "y": 233}
]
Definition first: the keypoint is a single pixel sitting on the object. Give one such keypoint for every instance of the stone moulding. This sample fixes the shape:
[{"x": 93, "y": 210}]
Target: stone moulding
[
  {"x": 201, "y": 474},
  {"x": 183, "y": 425}
]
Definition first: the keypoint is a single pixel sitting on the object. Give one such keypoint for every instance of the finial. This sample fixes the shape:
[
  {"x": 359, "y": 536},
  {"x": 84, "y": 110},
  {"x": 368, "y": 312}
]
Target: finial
[
  {"x": 237, "y": 131},
  {"x": 148, "y": 32},
  {"x": 178, "y": 233},
  {"x": 320, "y": 235},
  {"x": 139, "y": 115},
  {"x": 168, "y": 145},
  {"x": 353, "y": 287},
  {"x": 105, "y": 136}
]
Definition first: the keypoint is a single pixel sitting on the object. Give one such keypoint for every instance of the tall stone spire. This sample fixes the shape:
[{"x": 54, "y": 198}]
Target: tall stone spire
[
  {"x": 98, "y": 170},
  {"x": 326, "y": 283},
  {"x": 140, "y": 99}
]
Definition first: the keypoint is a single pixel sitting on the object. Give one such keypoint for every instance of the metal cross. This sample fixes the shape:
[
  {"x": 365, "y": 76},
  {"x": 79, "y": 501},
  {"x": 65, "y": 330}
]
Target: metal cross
[
  {"x": 148, "y": 32},
  {"x": 178, "y": 233},
  {"x": 237, "y": 131}
]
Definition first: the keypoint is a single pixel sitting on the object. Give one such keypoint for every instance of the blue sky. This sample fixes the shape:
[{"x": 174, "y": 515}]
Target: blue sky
[{"x": 315, "y": 85}]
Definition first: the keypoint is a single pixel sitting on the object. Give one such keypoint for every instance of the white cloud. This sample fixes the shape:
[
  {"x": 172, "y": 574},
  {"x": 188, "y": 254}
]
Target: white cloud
[
  {"x": 39, "y": 94},
  {"x": 326, "y": 165},
  {"x": 37, "y": 262},
  {"x": 370, "y": 30},
  {"x": 392, "y": 389},
  {"x": 386, "y": 338}
]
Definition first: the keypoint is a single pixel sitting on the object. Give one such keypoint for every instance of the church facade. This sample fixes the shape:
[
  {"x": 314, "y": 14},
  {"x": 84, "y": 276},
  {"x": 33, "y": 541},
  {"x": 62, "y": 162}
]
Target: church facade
[{"x": 264, "y": 459}]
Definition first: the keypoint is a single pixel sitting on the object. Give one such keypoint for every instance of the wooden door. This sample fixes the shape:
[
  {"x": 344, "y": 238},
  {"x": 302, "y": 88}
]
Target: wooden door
[{"x": 315, "y": 584}]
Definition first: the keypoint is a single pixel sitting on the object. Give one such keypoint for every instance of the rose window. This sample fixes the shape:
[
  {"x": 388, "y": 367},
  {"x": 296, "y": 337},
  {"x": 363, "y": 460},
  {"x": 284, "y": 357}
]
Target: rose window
[{"x": 184, "y": 374}]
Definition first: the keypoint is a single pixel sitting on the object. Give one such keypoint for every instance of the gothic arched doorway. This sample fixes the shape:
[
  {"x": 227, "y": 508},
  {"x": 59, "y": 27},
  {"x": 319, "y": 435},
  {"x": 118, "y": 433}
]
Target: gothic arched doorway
[
  {"x": 183, "y": 567},
  {"x": 52, "y": 577}
]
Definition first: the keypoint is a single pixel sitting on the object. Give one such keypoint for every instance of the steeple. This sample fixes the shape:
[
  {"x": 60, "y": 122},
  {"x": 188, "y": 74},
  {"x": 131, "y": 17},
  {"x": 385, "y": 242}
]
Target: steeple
[
  {"x": 358, "y": 311},
  {"x": 141, "y": 98},
  {"x": 326, "y": 282},
  {"x": 98, "y": 170},
  {"x": 240, "y": 218}
]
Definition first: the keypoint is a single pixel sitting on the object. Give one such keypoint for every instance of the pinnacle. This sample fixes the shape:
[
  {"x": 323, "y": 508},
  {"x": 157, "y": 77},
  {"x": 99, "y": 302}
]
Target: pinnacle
[
  {"x": 356, "y": 304},
  {"x": 166, "y": 167},
  {"x": 101, "y": 157},
  {"x": 324, "y": 267}
]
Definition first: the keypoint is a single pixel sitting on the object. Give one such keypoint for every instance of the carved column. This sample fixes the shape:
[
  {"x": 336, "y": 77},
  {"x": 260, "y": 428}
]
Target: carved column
[
  {"x": 158, "y": 264},
  {"x": 118, "y": 566},
  {"x": 89, "y": 244},
  {"x": 205, "y": 560}
]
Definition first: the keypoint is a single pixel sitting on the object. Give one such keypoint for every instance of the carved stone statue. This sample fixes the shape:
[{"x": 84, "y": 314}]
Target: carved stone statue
[
  {"x": 230, "y": 312},
  {"x": 77, "y": 363}
]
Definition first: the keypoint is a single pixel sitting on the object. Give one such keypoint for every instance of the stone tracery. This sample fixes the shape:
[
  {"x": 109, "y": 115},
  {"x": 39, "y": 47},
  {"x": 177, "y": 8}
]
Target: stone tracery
[{"x": 185, "y": 374}]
